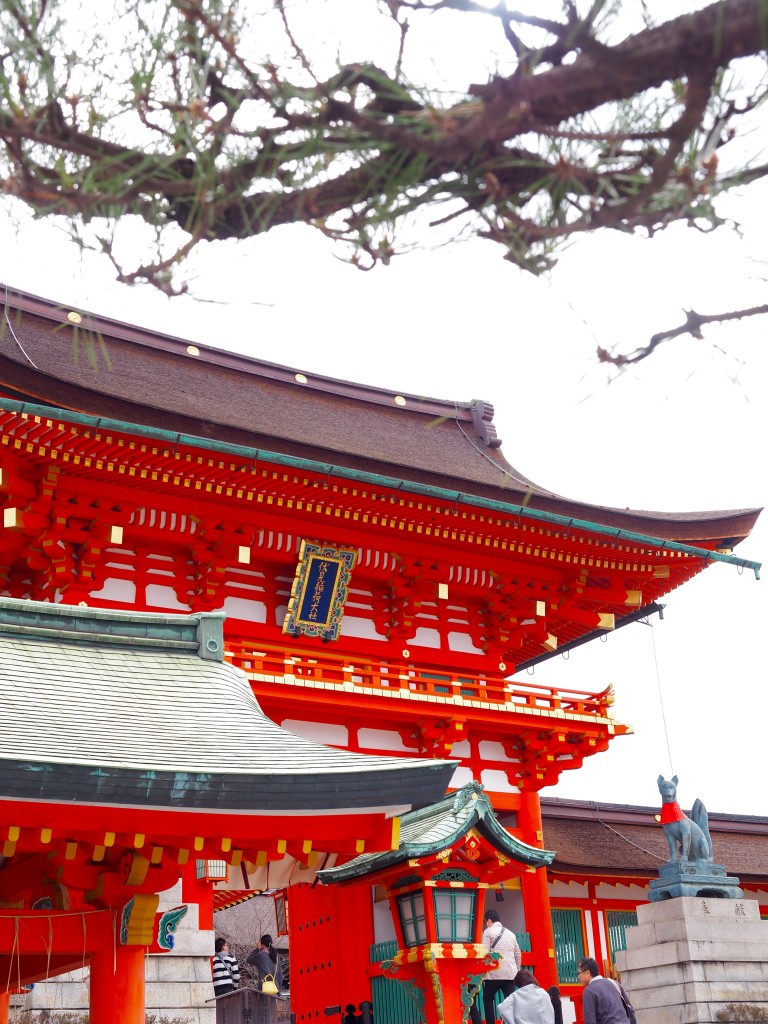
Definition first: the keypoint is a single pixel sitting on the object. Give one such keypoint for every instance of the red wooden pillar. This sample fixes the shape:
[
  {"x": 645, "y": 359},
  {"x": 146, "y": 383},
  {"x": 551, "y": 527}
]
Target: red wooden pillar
[
  {"x": 199, "y": 891},
  {"x": 5, "y": 1006},
  {"x": 538, "y": 914},
  {"x": 599, "y": 952},
  {"x": 117, "y": 985}
]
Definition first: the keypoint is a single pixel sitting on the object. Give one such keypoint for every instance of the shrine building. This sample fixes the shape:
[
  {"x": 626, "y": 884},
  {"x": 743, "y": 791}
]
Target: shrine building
[{"x": 381, "y": 574}]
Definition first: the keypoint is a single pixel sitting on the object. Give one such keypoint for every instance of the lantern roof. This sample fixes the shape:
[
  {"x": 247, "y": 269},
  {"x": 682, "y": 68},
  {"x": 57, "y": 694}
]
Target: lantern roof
[
  {"x": 127, "y": 709},
  {"x": 429, "y": 830},
  {"x": 158, "y": 382}
]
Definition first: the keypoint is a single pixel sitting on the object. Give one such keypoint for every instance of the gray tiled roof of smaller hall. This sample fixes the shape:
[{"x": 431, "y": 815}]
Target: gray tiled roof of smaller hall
[{"x": 101, "y": 722}]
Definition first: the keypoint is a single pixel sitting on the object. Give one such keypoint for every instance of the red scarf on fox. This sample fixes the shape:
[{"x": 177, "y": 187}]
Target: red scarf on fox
[{"x": 671, "y": 812}]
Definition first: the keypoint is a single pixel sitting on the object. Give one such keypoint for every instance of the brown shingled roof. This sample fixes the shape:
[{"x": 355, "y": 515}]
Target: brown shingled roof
[{"x": 163, "y": 382}]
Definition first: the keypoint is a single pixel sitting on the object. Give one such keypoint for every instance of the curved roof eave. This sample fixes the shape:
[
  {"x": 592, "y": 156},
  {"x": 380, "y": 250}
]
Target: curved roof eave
[
  {"x": 523, "y": 511},
  {"x": 153, "y": 380},
  {"x": 96, "y": 712}
]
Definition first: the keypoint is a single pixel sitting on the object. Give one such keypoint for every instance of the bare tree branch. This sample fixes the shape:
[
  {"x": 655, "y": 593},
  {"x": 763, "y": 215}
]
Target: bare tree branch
[
  {"x": 194, "y": 125},
  {"x": 693, "y": 324}
]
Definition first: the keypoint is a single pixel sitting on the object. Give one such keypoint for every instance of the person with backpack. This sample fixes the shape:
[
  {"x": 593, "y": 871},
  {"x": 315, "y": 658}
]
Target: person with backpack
[
  {"x": 498, "y": 939},
  {"x": 604, "y": 1001},
  {"x": 264, "y": 959}
]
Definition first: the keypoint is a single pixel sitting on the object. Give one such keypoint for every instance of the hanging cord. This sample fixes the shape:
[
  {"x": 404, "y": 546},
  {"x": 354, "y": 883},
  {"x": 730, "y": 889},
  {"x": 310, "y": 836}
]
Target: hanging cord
[
  {"x": 661, "y": 699},
  {"x": 14, "y": 951},
  {"x": 13, "y": 333},
  {"x": 522, "y": 484},
  {"x": 626, "y": 838}
]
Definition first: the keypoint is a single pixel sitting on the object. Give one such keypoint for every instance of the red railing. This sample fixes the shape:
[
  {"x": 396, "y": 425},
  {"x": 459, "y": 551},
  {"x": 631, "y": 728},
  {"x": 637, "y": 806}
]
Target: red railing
[{"x": 265, "y": 662}]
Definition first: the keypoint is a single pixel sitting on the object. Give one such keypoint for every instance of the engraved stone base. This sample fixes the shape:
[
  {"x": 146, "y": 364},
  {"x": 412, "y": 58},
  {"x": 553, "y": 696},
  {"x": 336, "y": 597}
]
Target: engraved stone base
[
  {"x": 689, "y": 957},
  {"x": 695, "y": 878}
]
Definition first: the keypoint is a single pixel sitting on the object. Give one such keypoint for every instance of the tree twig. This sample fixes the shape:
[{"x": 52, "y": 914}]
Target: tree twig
[{"x": 693, "y": 324}]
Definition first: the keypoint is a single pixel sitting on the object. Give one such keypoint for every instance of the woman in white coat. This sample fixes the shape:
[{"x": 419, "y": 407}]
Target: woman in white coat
[{"x": 528, "y": 1004}]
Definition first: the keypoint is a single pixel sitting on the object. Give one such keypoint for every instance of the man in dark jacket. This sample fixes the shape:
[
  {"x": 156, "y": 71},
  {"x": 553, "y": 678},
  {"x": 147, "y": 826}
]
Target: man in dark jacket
[{"x": 605, "y": 1001}]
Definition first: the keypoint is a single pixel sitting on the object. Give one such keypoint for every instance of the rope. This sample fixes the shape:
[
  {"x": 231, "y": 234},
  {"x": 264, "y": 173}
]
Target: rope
[
  {"x": 49, "y": 948},
  {"x": 626, "y": 838},
  {"x": 10, "y": 959},
  {"x": 13, "y": 333},
  {"x": 661, "y": 700},
  {"x": 522, "y": 484}
]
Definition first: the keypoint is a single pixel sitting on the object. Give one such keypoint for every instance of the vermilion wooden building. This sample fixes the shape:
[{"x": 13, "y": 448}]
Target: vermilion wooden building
[{"x": 383, "y": 569}]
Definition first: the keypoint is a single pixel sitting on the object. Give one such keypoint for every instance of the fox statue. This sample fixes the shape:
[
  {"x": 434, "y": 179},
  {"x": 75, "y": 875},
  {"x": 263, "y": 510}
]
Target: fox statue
[{"x": 688, "y": 838}]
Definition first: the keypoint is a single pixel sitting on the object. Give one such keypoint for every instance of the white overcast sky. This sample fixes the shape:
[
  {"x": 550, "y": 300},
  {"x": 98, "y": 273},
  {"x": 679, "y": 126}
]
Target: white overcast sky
[{"x": 686, "y": 430}]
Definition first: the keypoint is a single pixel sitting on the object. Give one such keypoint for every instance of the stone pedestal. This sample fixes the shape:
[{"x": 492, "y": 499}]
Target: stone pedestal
[
  {"x": 689, "y": 957},
  {"x": 694, "y": 878}
]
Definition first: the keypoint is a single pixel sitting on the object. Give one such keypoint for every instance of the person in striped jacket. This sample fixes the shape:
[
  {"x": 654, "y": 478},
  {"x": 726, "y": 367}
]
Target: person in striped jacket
[{"x": 226, "y": 973}]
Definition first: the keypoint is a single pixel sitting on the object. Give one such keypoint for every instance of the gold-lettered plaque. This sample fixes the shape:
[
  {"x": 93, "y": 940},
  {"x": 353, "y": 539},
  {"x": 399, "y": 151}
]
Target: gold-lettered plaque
[{"x": 319, "y": 591}]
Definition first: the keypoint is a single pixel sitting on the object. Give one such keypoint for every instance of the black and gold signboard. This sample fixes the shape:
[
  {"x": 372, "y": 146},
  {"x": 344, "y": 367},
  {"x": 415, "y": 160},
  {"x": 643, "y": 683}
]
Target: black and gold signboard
[{"x": 319, "y": 591}]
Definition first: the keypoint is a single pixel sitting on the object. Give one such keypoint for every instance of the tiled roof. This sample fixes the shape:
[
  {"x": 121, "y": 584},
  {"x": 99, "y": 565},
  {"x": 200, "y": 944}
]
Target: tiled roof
[
  {"x": 608, "y": 839},
  {"x": 427, "y": 831},
  {"x": 161, "y": 382},
  {"x": 99, "y": 717}
]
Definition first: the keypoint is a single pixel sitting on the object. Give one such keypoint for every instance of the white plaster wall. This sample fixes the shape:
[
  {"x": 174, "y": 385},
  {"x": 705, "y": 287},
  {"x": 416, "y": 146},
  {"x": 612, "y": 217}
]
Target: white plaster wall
[
  {"x": 460, "y": 778},
  {"x": 354, "y": 625},
  {"x": 639, "y": 893},
  {"x": 318, "y": 731},
  {"x": 383, "y": 925},
  {"x": 123, "y": 591},
  {"x": 462, "y": 643},
  {"x": 496, "y": 781},
  {"x": 159, "y": 596},
  {"x": 245, "y": 608},
  {"x": 381, "y": 739},
  {"x": 567, "y": 890}
]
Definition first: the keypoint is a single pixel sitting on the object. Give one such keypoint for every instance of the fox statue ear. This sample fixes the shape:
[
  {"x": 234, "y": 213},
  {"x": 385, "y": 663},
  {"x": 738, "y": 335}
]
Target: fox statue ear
[
  {"x": 659, "y": 780},
  {"x": 674, "y": 779}
]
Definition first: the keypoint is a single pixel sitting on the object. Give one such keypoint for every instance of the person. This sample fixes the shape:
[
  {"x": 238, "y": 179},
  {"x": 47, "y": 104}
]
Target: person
[
  {"x": 554, "y": 994},
  {"x": 528, "y": 1004},
  {"x": 226, "y": 973},
  {"x": 498, "y": 939},
  {"x": 605, "y": 1001},
  {"x": 264, "y": 959}
]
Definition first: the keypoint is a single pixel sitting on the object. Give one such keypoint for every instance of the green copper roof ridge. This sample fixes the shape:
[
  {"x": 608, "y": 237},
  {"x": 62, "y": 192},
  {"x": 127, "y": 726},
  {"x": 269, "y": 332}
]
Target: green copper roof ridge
[
  {"x": 408, "y": 486},
  {"x": 528, "y": 854},
  {"x": 199, "y": 633},
  {"x": 481, "y": 815}
]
